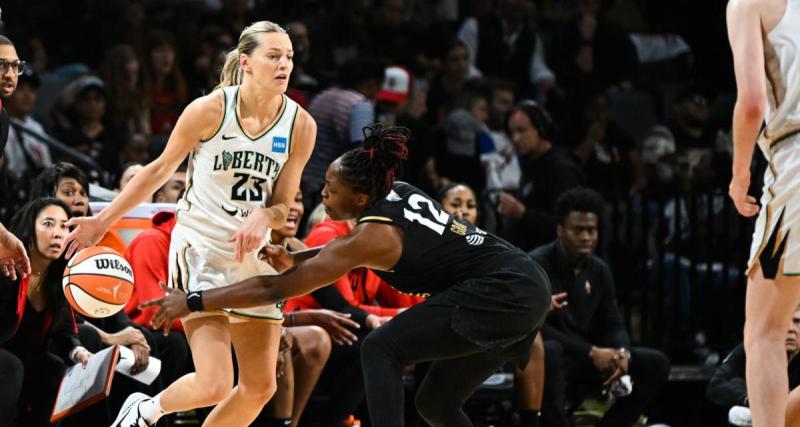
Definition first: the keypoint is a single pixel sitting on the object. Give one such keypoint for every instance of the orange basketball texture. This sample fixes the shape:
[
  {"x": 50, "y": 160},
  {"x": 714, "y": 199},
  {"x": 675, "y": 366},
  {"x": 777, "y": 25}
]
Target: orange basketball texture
[{"x": 98, "y": 282}]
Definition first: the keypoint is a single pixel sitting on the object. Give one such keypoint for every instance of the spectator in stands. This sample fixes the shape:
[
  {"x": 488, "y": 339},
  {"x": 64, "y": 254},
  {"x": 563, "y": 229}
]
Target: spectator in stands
[
  {"x": 459, "y": 201},
  {"x": 465, "y": 138},
  {"x": 608, "y": 154},
  {"x": 505, "y": 44},
  {"x": 332, "y": 109},
  {"x": 173, "y": 189},
  {"x": 69, "y": 183},
  {"x": 26, "y": 155},
  {"x": 448, "y": 82},
  {"x": 84, "y": 124},
  {"x": 728, "y": 387},
  {"x": 303, "y": 84},
  {"x": 586, "y": 346},
  {"x": 127, "y": 172},
  {"x": 35, "y": 318},
  {"x": 591, "y": 52},
  {"x": 208, "y": 60},
  {"x": 128, "y": 106},
  {"x": 500, "y": 160},
  {"x": 527, "y": 217},
  {"x": 393, "y": 107},
  {"x": 166, "y": 86}
]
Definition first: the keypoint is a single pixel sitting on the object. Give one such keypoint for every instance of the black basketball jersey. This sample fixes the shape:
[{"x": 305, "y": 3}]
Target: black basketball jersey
[{"x": 438, "y": 249}]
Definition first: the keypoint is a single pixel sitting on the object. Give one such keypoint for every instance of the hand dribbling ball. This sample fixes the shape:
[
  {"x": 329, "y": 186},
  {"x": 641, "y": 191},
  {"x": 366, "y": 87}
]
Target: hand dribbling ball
[{"x": 98, "y": 282}]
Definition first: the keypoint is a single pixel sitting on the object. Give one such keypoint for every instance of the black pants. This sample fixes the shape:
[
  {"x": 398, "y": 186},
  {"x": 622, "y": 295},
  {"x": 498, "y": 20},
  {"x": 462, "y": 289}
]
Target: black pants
[
  {"x": 11, "y": 374},
  {"x": 42, "y": 377},
  {"x": 576, "y": 379},
  {"x": 424, "y": 333}
]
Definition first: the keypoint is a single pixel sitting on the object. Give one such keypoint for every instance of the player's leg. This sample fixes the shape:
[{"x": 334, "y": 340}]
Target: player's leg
[
  {"x": 256, "y": 344},
  {"x": 420, "y": 333},
  {"x": 210, "y": 342},
  {"x": 768, "y": 310},
  {"x": 529, "y": 385},
  {"x": 311, "y": 347}
]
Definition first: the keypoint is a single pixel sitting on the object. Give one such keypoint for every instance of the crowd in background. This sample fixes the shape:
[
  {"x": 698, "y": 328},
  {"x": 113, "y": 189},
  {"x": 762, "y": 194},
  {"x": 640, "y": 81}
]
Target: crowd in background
[{"x": 520, "y": 100}]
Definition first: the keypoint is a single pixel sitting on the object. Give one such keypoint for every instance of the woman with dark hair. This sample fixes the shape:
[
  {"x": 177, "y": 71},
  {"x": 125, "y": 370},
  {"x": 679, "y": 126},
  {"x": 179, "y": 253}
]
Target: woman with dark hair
[
  {"x": 487, "y": 298},
  {"x": 35, "y": 318},
  {"x": 127, "y": 104},
  {"x": 167, "y": 90}
]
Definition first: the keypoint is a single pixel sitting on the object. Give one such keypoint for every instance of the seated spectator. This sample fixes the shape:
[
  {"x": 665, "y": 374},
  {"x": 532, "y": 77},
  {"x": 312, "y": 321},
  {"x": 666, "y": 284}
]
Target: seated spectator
[
  {"x": 35, "y": 318},
  {"x": 500, "y": 159},
  {"x": 728, "y": 388},
  {"x": 127, "y": 172},
  {"x": 606, "y": 152},
  {"x": 84, "y": 124},
  {"x": 128, "y": 107},
  {"x": 173, "y": 189},
  {"x": 67, "y": 182},
  {"x": 166, "y": 86},
  {"x": 527, "y": 217},
  {"x": 587, "y": 348},
  {"x": 448, "y": 83},
  {"x": 459, "y": 201},
  {"x": 25, "y": 156},
  {"x": 466, "y": 137}
]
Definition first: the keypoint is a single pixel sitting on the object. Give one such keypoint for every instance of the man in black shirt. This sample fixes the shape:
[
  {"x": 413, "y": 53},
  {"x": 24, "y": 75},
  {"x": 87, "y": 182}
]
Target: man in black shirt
[
  {"x": 728, "y": 388},
  {"x": 547, "y": 171},
  {"x": 586, "y": 345}
]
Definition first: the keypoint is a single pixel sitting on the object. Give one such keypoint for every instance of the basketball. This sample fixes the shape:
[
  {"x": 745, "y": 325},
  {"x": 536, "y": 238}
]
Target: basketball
[{"x": 98, "y": 282}]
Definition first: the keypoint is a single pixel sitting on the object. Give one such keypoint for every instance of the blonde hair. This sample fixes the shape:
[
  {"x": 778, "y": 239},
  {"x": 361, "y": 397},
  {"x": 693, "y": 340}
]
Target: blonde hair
[
  {"x": 248, "y": 41},
  {"x": 317, "y": 216}
]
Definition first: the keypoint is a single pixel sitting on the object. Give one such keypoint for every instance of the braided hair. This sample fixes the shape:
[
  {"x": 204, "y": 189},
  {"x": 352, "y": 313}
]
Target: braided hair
[{"x": 373, "y": 167}]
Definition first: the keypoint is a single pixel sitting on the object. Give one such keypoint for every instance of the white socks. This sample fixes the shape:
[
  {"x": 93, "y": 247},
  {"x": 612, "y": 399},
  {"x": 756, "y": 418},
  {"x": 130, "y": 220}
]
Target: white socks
[{"x": 151, "y": 409}]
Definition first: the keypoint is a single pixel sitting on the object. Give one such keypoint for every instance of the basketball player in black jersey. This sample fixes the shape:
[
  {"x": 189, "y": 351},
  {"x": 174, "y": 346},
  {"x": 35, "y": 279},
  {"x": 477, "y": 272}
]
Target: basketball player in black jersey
[{"x": 487, "y": 299}]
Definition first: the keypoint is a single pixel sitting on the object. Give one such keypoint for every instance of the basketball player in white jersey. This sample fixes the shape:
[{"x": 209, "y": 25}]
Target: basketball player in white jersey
[
  {"x": 248, "y": 144},
  {"x": 765, "y": 39}
]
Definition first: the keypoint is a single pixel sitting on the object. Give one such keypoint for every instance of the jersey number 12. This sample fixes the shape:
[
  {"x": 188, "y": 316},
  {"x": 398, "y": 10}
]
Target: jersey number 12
[{"x": 438, "y": 219}]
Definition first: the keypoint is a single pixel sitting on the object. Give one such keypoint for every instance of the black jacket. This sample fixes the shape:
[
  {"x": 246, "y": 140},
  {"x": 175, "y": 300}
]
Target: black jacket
[
  {"x": 727, "y": 387},
  {"x": 592, "y": 317}
]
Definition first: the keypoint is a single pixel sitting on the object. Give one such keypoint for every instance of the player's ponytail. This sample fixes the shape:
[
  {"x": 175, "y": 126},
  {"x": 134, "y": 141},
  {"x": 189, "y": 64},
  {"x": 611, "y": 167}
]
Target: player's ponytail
[
  {"x": 374, "y": 166},
  {"x": 248, "y": 41}
]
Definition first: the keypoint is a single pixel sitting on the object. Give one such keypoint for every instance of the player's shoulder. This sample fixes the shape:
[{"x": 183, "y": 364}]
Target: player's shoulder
[
  {"x": 304, "y": 122},
  {"x": 747, "y": 8},
  {"x": 207, "y": 108}
]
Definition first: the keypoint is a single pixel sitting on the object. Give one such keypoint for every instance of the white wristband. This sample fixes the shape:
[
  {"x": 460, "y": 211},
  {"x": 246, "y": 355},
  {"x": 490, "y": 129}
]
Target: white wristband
[{"x": 74, "y": 353}]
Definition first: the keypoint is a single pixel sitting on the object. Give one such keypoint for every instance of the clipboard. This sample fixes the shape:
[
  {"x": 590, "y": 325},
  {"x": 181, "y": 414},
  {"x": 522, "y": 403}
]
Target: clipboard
[{"x": 82, "y": 387}]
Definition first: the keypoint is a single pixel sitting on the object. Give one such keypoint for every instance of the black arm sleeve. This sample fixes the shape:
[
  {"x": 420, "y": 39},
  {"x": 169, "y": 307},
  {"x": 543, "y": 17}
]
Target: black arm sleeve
[
  {"x": 328, "y": 297},
  {"x": 727, "y": 387}
]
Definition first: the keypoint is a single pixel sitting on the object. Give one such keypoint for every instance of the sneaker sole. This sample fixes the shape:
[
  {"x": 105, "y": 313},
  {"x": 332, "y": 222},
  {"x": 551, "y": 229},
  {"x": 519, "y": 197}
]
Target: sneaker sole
[{"x": 126, "y": 408}]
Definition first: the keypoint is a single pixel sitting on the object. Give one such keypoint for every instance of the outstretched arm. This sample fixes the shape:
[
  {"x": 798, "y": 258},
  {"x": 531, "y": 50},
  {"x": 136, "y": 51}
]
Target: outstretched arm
[{"x": 369, "y": 245}]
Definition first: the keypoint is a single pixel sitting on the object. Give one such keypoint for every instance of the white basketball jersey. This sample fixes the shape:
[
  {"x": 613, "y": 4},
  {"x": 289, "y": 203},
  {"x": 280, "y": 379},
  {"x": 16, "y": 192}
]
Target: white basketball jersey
[
  {"x": 782, "y": 64},
  {"x": 232, "y": 173}
]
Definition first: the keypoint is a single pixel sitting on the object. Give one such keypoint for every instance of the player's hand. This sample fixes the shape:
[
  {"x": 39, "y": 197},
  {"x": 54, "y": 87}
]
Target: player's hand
[
  {"x": 509, "y": 205},
  {"x": 558, "y": 301},
  {"x": 88, "y": 231},
  {"x": 129, "y": 336},
  {"x": 171, "y": 306},
  {"x": 251, "y": 234},
  {"x": 374, "y": 321},
  {"x": 141, "y": 355},
  {"x": 335, "y": 324},
  {"x": 277, "y": 256},
  {"x": 13, "y": 258},
  {"x": 737, "y": 190}
]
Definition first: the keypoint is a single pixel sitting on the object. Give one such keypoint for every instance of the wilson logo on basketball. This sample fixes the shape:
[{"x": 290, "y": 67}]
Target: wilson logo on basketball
[{"x": 104, "y": 264}]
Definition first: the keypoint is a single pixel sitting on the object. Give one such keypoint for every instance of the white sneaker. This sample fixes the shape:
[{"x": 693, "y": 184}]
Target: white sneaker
[
  {"x": 740, "y": 416},
  {"x": 129, "y": 415}
]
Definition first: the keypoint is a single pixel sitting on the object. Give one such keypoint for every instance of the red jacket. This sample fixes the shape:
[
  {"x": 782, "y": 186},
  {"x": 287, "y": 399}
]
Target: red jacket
[
  {"x": 148, "y": 255},
  {"x": 361, "y": 287}
]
